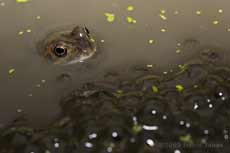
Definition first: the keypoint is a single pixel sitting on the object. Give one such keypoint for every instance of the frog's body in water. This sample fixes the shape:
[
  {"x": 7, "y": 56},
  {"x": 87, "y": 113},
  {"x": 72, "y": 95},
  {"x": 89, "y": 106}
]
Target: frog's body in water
[{"x": 68, "y": 47}]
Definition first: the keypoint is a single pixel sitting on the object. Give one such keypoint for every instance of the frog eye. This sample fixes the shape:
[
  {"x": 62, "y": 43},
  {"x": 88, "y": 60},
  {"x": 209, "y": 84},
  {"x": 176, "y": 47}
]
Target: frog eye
[{"x": 60, "y": 51}]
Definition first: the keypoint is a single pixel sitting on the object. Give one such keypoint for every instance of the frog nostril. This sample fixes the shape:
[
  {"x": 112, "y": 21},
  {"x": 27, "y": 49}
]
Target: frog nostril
[
  {"x": 60, "y": 51},
  {"x": 87, "y": 30}
]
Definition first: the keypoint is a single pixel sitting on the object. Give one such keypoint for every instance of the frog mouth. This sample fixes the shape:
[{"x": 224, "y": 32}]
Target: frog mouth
[{"x": 82, "y": 58}]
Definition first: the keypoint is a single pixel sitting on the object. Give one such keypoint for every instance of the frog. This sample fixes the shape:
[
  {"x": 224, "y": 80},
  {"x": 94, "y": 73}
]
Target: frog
[{"x": 69, "y": 46}]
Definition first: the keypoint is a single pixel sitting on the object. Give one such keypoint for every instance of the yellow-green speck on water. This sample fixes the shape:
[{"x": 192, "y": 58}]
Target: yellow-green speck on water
[
  {"x": 130, "y": 20},
  {"x": 22, "y": 1},
  {"x": 11, "y": 71},
  {"x": 163, "y": 17},
  {"x": 215, "y": 22},
  {"x": 110, "y": 17},
  {"x": 220, "y": 11},
  {"x": 151, "y": 41},
  {"x": 162, "y": 11},
  {"x": 163, "y": 30},
  {"x": 178, "y": 51},
  {"x": 29, "y": 30},
  {"x": 198, "y": 12},
  {"x": 130, "y": 8},
  {"x": 20, "y": 33}
]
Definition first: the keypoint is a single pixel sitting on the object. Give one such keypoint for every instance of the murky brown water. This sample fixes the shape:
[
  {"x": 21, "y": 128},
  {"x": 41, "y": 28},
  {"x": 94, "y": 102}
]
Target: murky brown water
[{"x": 125, "y": 45}]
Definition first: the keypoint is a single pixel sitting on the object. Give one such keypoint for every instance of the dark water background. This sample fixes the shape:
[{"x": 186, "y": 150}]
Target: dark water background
[{"x": 125, "y": 45}]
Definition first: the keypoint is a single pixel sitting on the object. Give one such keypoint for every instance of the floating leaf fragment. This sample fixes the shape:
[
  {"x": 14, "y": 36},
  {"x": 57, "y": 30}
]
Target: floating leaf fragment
[
  {"x": 179, "y": 88},
  {"x": 22, "y": 1},
  {"x": 130, "y": 8},
  {"x": 130, "y": 20},
  {"x": 110, "y": 17},
  {"x": 228, "y": 29}
]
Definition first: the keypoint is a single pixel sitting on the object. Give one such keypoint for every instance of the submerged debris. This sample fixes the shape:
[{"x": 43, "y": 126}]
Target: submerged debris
[
  {"x": 63, "y": 77},
  {"x": 145, "y": 114}
]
